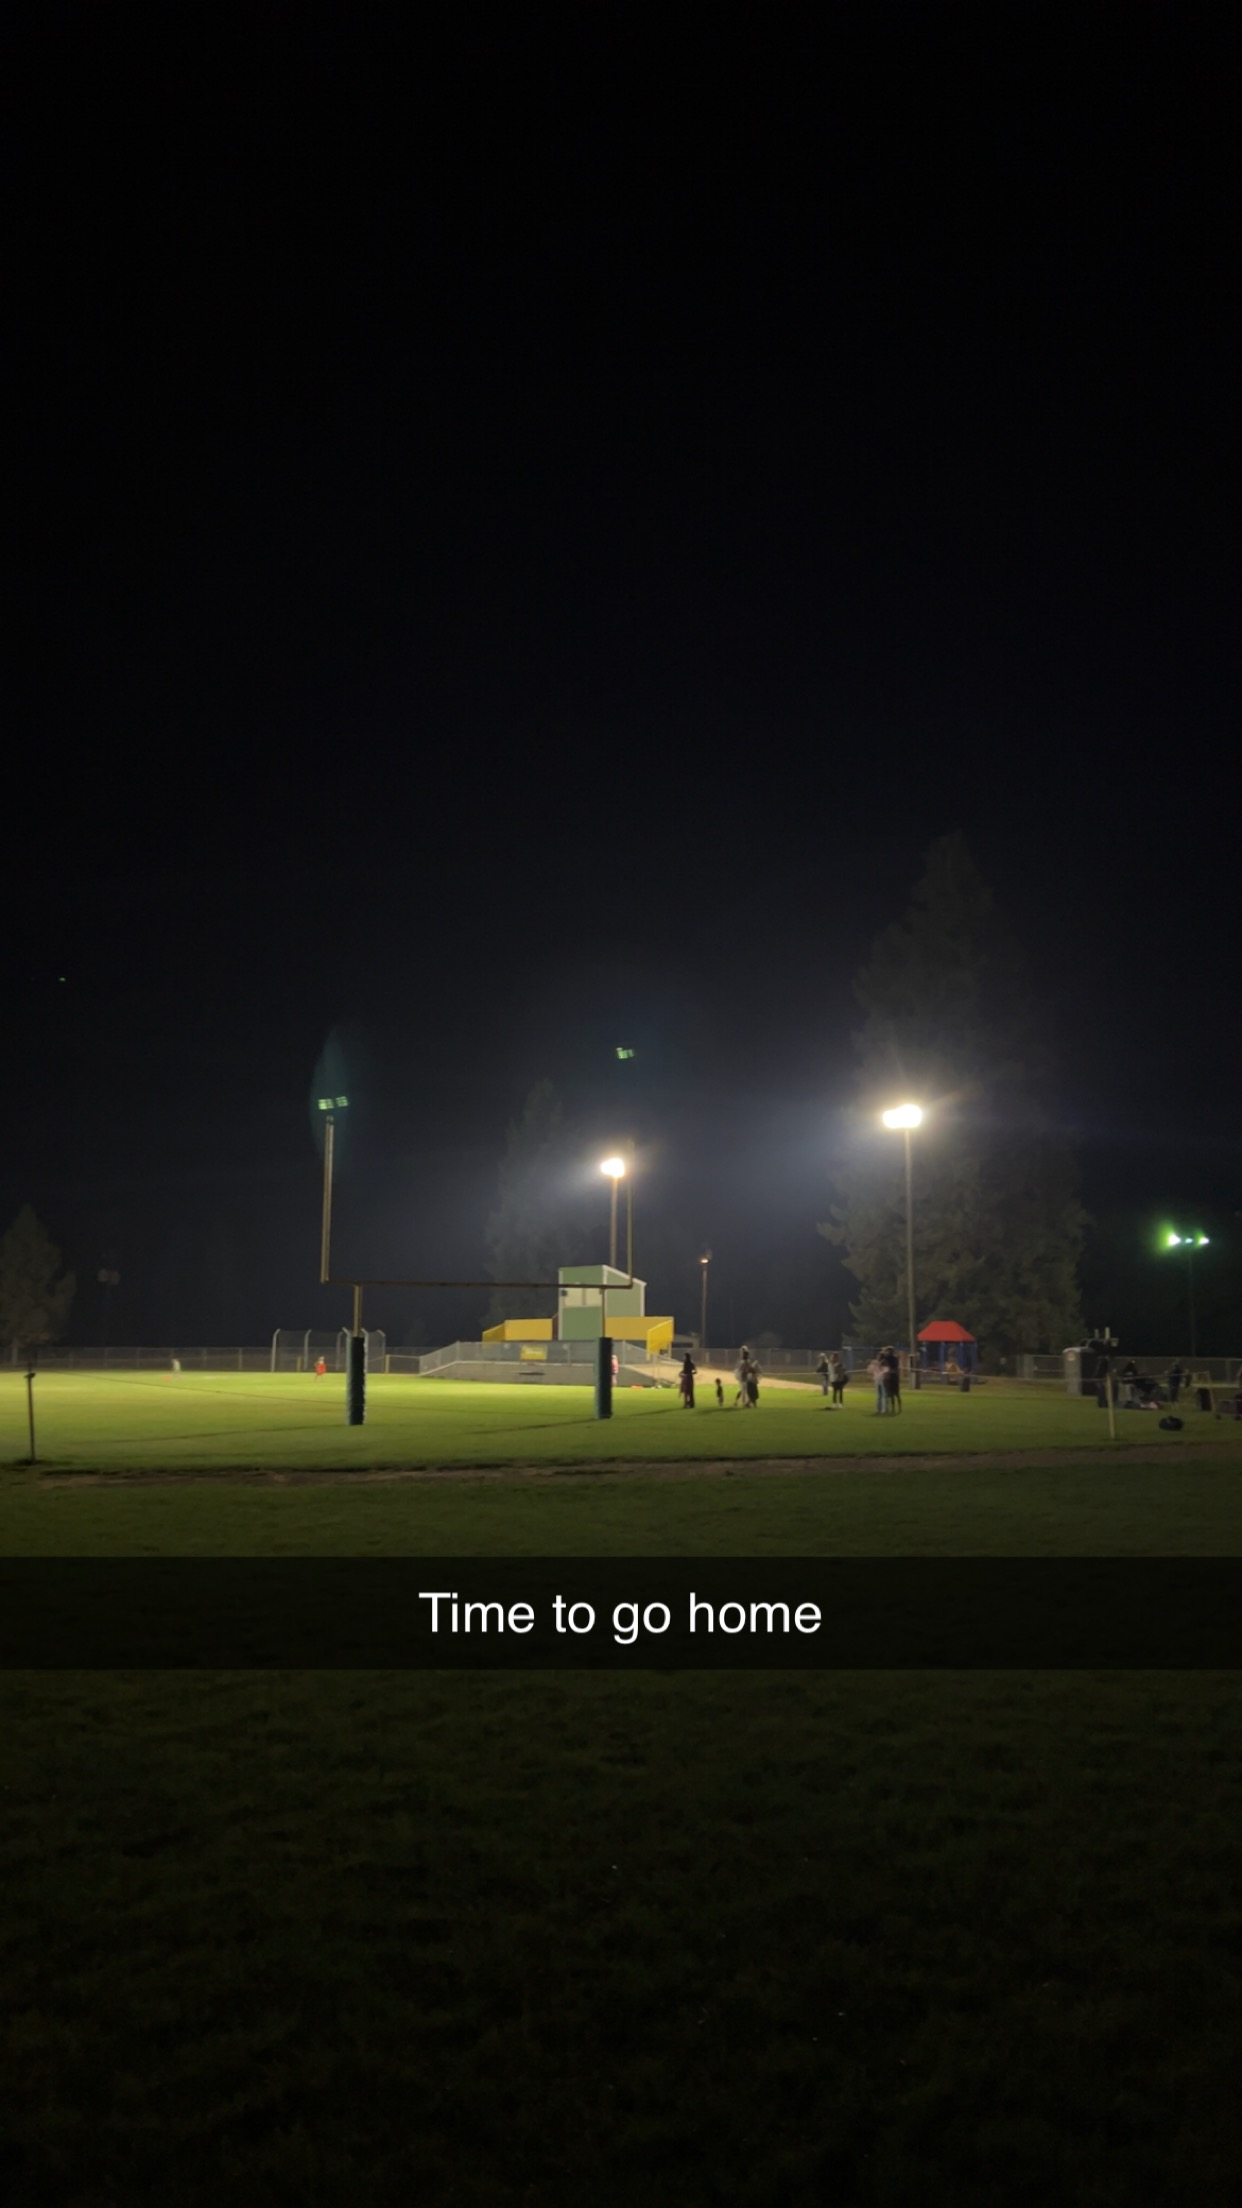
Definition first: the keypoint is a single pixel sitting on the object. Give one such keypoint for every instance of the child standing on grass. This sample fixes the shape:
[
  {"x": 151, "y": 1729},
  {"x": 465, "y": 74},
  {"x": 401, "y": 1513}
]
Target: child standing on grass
[
  {"x": 838, "y": 1375},
  {"x": 875, "y": 1372},
  {"x": 720, "y": 1391}
]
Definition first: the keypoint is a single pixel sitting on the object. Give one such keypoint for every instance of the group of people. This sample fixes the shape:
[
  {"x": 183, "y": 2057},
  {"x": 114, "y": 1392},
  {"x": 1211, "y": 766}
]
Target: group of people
[
  {"x": 1138, "y": 1388},
  {"x": 885, "y": 1371},
  {"x": 745, "y": 1372}
]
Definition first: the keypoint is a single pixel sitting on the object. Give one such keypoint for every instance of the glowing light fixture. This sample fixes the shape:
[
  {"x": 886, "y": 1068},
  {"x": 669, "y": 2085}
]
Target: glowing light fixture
[{"x": 903, "y": 1115}]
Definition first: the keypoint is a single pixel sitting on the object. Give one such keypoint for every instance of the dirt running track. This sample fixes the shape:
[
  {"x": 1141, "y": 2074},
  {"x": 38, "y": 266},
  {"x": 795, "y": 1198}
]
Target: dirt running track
[{"x": 1006, "y": 1460}]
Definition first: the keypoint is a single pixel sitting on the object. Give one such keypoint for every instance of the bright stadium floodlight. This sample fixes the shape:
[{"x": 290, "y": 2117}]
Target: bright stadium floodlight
[{"x": 905, "y": 1117}]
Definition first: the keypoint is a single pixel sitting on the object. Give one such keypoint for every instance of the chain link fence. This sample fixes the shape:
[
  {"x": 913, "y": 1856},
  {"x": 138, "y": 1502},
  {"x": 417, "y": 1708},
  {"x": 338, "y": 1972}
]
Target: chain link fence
[{"x": 110, "y": 1358}]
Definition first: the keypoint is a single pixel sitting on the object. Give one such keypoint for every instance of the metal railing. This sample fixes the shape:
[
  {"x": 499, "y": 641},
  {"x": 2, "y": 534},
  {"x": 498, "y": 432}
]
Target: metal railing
[{"x": 498, "y": 1353}]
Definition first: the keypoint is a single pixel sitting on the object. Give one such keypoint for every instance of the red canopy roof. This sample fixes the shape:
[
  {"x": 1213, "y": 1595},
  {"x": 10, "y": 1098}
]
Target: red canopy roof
[{"x": 944, "y": 1330}]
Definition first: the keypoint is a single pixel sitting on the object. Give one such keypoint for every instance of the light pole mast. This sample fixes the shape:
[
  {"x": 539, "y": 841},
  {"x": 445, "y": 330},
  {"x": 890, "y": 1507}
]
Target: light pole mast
[
  {"x": 907, "y": 1117},
  {"x": 356, "y": 1351},
  {"x": 910, "y": 1322},
  {"x": 325, "y": 1238},
  {"x": 615, "y": 1169},
  {"x": 330, "y": 1105},
  {"x": 1190, "y": 1243}
]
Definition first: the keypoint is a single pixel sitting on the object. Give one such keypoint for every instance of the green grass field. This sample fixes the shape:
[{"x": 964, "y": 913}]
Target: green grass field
[
  {"x": 767, "y": 1939},
  {"x": 214, "y": 1421}
]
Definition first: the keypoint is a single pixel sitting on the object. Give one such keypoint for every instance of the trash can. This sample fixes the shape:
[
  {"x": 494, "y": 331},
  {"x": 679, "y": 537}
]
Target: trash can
[{"x": 964, "y": 1383}]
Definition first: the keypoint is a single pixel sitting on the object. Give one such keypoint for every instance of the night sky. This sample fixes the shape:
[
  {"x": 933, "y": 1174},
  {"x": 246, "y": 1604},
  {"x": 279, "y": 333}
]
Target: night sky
[{"x": 521, "y": 542}]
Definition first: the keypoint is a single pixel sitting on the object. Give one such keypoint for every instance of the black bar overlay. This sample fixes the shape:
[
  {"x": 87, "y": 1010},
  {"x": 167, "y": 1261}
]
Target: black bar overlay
[{"x": 621, "y": 1613}]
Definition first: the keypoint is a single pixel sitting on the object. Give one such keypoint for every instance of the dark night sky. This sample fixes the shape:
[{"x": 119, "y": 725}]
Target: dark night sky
[{"x": 521, "y": 542}]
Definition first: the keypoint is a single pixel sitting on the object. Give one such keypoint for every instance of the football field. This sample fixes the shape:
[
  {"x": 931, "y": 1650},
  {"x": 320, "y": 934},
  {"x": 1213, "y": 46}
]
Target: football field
[
  {"x": 501, "y": 1939},
  {"x": 118, "y": 1421}
]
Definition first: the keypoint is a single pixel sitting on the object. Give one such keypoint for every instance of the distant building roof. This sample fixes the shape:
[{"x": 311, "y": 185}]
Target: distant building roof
[{"x": 944, "y": 1330}]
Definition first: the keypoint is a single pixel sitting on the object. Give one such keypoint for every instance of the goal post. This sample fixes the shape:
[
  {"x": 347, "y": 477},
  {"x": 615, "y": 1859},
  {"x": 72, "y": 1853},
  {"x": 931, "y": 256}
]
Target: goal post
[{"x": 356, "y": 1367}]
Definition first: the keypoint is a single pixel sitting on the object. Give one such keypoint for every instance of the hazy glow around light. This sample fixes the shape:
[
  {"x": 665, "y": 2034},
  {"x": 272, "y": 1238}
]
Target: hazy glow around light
[
  {"x": 903, "y": 1115},
  {"x": 1191, "y": 1241},
  {"x": 614, "y": 1168}
]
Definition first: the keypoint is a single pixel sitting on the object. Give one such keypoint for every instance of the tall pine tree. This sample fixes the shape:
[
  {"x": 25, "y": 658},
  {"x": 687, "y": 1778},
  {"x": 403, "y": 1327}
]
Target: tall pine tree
[
  {"x": 34, "y": 1294},
  {"x": 998, "y": 1228}
]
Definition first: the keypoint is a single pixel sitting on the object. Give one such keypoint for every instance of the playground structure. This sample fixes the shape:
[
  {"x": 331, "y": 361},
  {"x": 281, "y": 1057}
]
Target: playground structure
[{"x": 957, "y": 1351}]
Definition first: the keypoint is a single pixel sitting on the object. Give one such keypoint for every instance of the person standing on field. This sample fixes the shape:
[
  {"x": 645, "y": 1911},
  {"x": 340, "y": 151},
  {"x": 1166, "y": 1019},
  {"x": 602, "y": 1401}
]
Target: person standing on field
[
  {"x": 752, "y": 1383},
  {"x": 875, "y": 1373},
  {"x": 838, "y": 1375},
  {"x": 892, "y": 1378},
  {"x": 741, "y": 1373},
  {"x": 685, "y": 1381},
  {"x": 825, "y": 1373}
]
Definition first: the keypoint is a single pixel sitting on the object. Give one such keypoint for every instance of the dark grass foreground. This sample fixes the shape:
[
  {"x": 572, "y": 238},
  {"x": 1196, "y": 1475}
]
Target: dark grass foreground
[
  {"x": 732, "y": 1939},
  {"x": 759, "y": 1939}
]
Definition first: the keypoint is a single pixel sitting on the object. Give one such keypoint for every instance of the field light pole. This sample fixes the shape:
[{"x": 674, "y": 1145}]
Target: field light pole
[
  {"x": 615, "y": 1169},
  {"x": 1190, "y": 1243},
  {"x": 33, "y": 1458},
  {"x": 704, "y": 1262},
  {"x": 908, "y": 1116},
  {"x": 621, "y": 1169},
  {"x": 356, "y": 1350}
]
